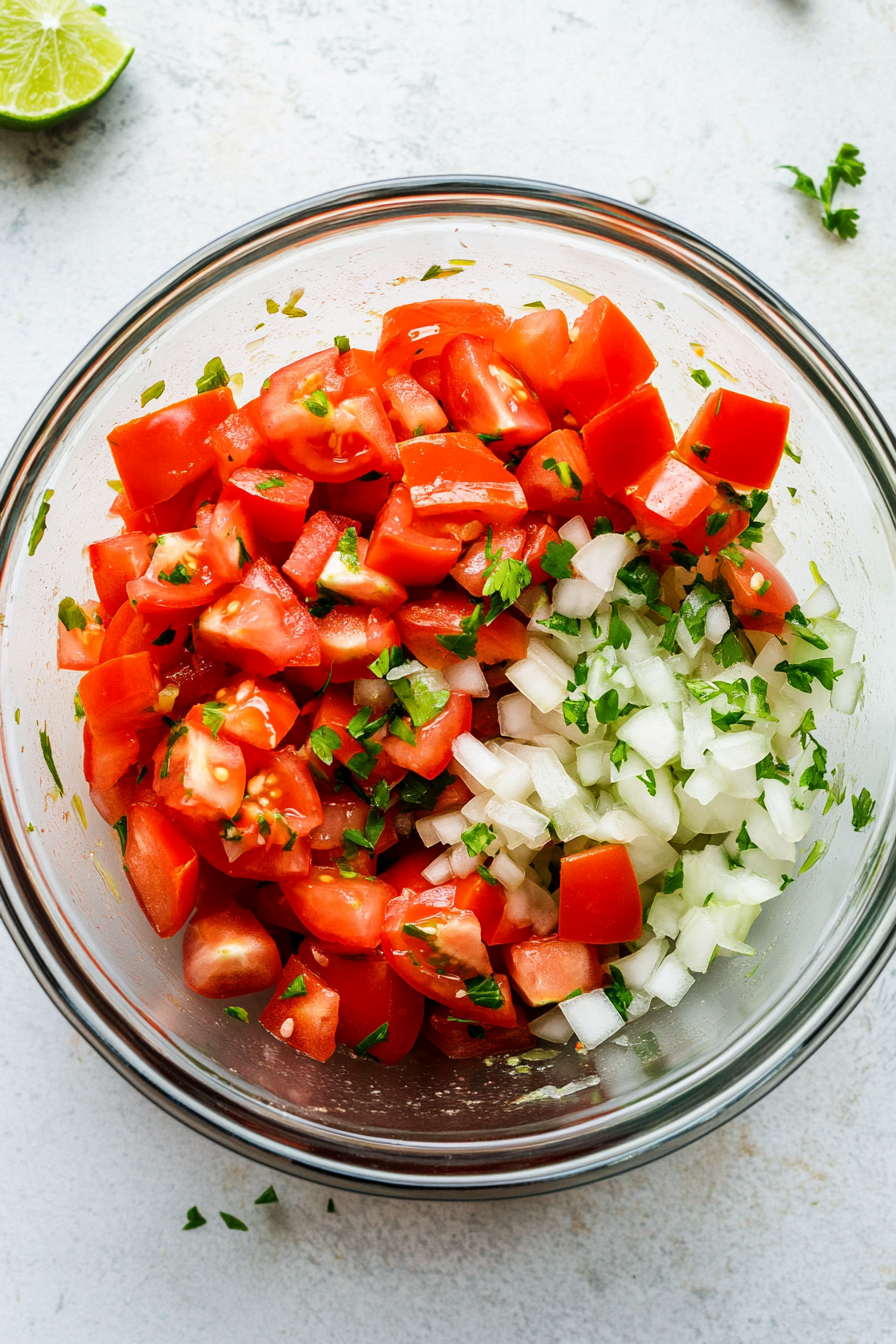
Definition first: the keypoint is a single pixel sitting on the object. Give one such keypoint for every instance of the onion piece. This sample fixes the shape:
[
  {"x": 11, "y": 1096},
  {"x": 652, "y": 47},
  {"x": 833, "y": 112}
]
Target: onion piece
[
  {"x": 551, "y": 1026},
  {"x": 438, "y": 871},
  {"x": 592, "y": 1017},
  {"x": 468, "y": 677}
]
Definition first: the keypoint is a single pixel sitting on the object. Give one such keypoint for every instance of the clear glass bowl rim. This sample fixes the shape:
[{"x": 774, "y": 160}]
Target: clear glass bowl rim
[{"x": 700, "y": 1100}]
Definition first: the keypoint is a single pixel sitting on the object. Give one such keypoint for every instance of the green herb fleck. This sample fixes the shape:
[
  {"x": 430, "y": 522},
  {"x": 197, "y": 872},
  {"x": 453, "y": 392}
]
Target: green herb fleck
[
  {"x": 71, "y": 615},
  {"x": 214, "y": 375},
  {"x": 318, "y": 403},
  {"x": 48, "y": 757},
  {"x": 477, "y": 838},
  {"x": 272, "y": 483},
  {"x": 194, "y": 1220},
  {"x": 342, "y": 344},
  {"x": 121, "y": 830},
  {"x": 297, "y": 989},
  {"x": 268, "y": 1196},
  {"x": 323, "y": 741},
  {"x": 40, "y": 522},
  {"x": 618, "y": 994},
  {"x": 862, "y": 810},
  {"x": 179, "y": 574},
  {"x": 556, "y": 559},
  {"x": 79, "y": 708},
  {"x": 213, "y": 717},
  {"x": 848, "y": 168},
  {"x": 484, "y": 991},
  {"x": 374, "y": 1038},
  {"x": 230, "y": 1220},
  {"x": 152, "y": 393},
  {"x": 565, "y": 473},
  {"x": 347, "y": 546},
  {"x": 702, "y": 377},
  {"x": 239, "y": 1013}
]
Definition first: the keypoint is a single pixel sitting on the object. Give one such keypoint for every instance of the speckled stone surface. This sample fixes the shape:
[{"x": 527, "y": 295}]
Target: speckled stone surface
[{"x": 778, "y": 1227}]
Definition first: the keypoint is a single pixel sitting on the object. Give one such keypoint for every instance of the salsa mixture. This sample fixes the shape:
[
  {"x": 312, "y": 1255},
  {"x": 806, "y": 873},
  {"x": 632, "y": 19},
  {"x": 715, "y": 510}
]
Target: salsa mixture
[{"x": 441, "y": 692}]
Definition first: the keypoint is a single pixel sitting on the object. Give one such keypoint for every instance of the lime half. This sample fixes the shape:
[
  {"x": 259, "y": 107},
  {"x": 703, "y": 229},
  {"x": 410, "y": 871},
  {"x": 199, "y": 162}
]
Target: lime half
[{"x": 56, "y": 57}]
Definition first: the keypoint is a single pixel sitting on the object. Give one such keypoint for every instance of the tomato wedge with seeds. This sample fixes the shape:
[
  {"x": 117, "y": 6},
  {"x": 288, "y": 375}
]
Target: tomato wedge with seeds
[
  {"x": 162, "y": 868},
  {"x": 484, "y": 395},
  {"x": 227, "y": 953},
  {"x": 178, "y": 577},
  {"x": 260, "y": 625},
  {"x": 344, "y": 910},
  {"x": 80, "y": 647},
  {"x": 347, "y": 574},
  {"x": 281, "y": 802},
  {"x": 228, "y": 538},
  {"x": 303, "y": 1012},
  {"x": 757, "y": 585},
  {"x": 351, "y": 638},
  {"x": 198, "y": 775},
  {"x": 253, "y": 711}
]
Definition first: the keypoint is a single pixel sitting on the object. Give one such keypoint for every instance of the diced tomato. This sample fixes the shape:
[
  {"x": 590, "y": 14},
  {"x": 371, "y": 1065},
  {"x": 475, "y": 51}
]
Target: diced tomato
[
  {"x": 275, "y": 501},
  {"x": 508, "y": 542},
  {"x": 269, "y": 904},
  {"x": 420, "y": 330},
  {"x": 161, "y": 633},
  {"x": 547, "y": 970},
  {"x": 162, "y": 868},
  {"x": 472, "y": 1040},
  {"x": 599, "y": 897},
  {"x": 718, "y": 525},
  {"x": 435, "y": 740},
  {"x": 347, "y": 574},
  {"x": 260, "y": 863},
  {"x": 108, "y": 756},
  {"x": 484, "y": 395},
  {"x": 227, "y": 953},
  {"x": 370, "y": 995},
  {"x": 336, "y": 711},
  {"x": 197, "y": 678},
  {"x": 158, "y": 454},
  {"x": 538, "y": 537},
  {"x": 120, "y": 693},
  {"x": 536, "y": 344},
  {"x": 318, "y": 541},
  {"x": 303, "y": 1012},
  {"x": 748, "y": 581},
  {"x": 364, "y": 497},
  {"x": 666, "y": 498},
  {"x": 402, "y": 547},
  {"x": 407, "y": 872},
  {"x": 345, "y": 910},
  {"x": 421, "y": 623},
  {"x": 115, "y": 561},
  {"x": 281, "y": 801},
  {"x": 736, "y": 438},
  {"x": 428, "y": 373},
  {"x": 256, "y": 712},
  {"x": 626, "y": 439},
  {"x": 178, "y": 578},
  {"x": 412, "y": 409},
  {"x": 197, "y": 774},
  {"x": 260, "y": 625},
  {"x": 351, "y": 638},
  {"x": 607, "y": 359},
  {"x": 356, "y": 367},
  {"x": 449, "y": 954},
  {"x": 341, "y": 812},
  {"x": 79, "y": 648},
  {"x": 488, "y": 902},
  {"x": 113, "y": 802},
  {"x": 457, "y": 476},
  {"x": 228, "y": 538},
  {"x": 239, "y": 441},
  {"x": 315, "y": 429},
  {"x": 565, "y": 488}
]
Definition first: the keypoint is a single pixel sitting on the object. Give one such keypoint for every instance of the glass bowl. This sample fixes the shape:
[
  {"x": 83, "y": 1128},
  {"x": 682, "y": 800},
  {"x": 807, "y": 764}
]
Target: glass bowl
[{"x": 432, "y": 1126}]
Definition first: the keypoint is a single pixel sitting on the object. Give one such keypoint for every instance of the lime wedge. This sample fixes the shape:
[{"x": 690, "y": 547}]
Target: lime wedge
[{"x": 56, "y": 57}]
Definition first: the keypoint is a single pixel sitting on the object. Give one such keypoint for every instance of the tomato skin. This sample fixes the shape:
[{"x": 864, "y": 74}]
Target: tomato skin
[
  {"x": 607, "y": 358},
  {"x": 351, "y": 638},
  {"x": 260, "y": 864},
  {"x": 455, "y": 1040},
  {"x": 132, "y": 631},
  {"x": 161, "y": 588},
  {"x": 78, "y": 650},
  {"x": 599, "y": 897},
  {"x": 336, "y": 710},
  {"x": 120, "y": 693},
  {"x": 458, "y": 477},
  {"x": 356, "y": 367},
  {"x": 412, "y": 409},
  {"x": 227, "y": 953},
  {"x": 266, "y": 630},
  {"x": 113, "y": 802},
  {"x": 114, "y": 562},
  {"x": 362, "y": 498},
  {"x": 370, "y": 993},
  {"x": 543, "y": 488},
  {"x": 277, "y": 513},
  {"x": 108, "y": 756},
  {"x": 628, "y": 438},
  {"x": 489, "y": 904},
  {"x": 695, "y": 536},
  {"x": 539, "y": 534},
  {"x": 159, "y": 453},
  {"x": 239, "y": 441},
  {"x": 448, "y": 989},
  {"x": 484, "y": 395},
  {"x": 406, "y": 874},
  {"x": 340, "y": 812},
  {"x": 259, "y": 713},
  {"x": 536, "y": 344},
  {"x": 269, "y": 904},
  {"x": 339, "y": 909},
  {"x": 776, "y": 601},
  {"x": 745, "y": 438},
  {"x": 667, "y": 497},
  {"x": 185, "y": 763},
  {"x": 312, "y": 1016},
  {"x": 401, "y": 547},
  {"x": 228, "y": 538},
  {"x": 318, "y": 541},
  {"x": 435, "y": 740},
  {"x": 428, "y": 373},
  {"x": 197, "y": 679},
  {"x": 420, "y": 624},
  {"x": 547, "y": 970},
  {"x": 162, "y": 868},
  {"x": 417, "y": 331},
  {"x": 279, "y": 783},
  {"x": 470, "y": 571}
]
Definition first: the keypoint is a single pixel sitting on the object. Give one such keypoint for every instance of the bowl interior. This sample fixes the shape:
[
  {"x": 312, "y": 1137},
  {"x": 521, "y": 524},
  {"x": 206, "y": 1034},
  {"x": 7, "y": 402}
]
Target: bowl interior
[{"x": 352, "y": 267}]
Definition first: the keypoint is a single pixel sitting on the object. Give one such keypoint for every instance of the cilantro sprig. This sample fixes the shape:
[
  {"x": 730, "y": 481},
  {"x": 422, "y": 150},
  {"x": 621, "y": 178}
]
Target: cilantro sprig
[{"x": 847, "y": 167}]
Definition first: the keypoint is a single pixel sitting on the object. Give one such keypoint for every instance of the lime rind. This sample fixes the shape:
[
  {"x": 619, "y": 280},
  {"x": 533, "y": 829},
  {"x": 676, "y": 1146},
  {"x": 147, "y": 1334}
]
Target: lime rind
[{"x": 56, "y": 58}]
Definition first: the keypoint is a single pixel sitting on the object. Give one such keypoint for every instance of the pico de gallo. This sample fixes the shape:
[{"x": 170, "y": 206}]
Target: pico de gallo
[{"x": 444, "y": 693}]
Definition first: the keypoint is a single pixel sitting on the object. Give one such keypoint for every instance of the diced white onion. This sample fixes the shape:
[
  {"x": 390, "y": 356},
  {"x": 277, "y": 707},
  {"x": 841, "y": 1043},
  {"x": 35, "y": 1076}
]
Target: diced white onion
[
  {"x": 592, "y": 1017},
  {"x": 652, "y": 734},
  {"x": 576, "y": 597},
  {"x": 545, "y": 690},
  {"x": 449, "y": 826},
  {"x": 788, "y": 822},
  {"x": 650, "y": 855},
  {"x": 821, "y": 602},
  {"x": 600, "y": 560},
  {"x": 505, "y": 871},
  {"x": 735, "y": 751},
  {"x": 515, "y": 716},
  {"x": 670, "y": 981},
  {"x": 468, "y": 677},
  {"x": 476, "y": 759},
  {"x": 576, "y": 531},
  {"x": 847, "y": 689},
  {"x": 717, "y": 622},
  {"x": 638, "y": 967},
  {"x": 404, "y": 670},
  {"x": 593, "y": 763},
  {"x": 551, "y": 1026},
  {"x": 462, "y": 862},
  {"x": 438, "y": 871},
  {"x": 517, "y": 817},
  {"x": 427, "y": 831}
]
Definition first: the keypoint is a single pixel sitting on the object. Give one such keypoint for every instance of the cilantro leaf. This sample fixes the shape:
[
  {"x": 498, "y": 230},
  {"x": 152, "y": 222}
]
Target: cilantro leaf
[
  {"x": 71, "y": 615},
  {"x": 486, "y": 876},
  {"x": 848, "y": 168},
  {"x": 419, "y": 794},
  {"x": 151, "y": 393},
  {"x": 801, "y": 675},
  {"x": 649, "y": 782},
  {"x": 477, "y": 838},
  {"x": 326, "y": 600},
  {"x": 618, "y": 994},
  {"x": 694, "y": 608},
  {"x": 728, "y": 651},
  {"x": 194, "y": 1220},
  {"x": 566, "y": 625},
  {"x": 403, "y": 731},
  {"x": 214, "y": 375},
  {"x": 233, "y": 1010},
  {"x": 564, "y": 472},
  {"x": 376, "y": 1037},
  {"x": 213, "y": 716},
  {"x": 317, "y": 403},
  {"x": 272, "y": 483},
  {"x": 464, "y": 645},
  {"x": 862, "y": 810},
  {"x": 47, "y": 751},
  {"x": 485, "y": 991},
  {"x": 347, "y": 547},
  {"x": 619, "y": 634},
  {"x": 179, "y": 574},
  {"x": 323, "y": 741},
  {"x": 576, "y": 712},
  {"x": 674, "y": 879},
  {"x": 230, "y": 1220},
  {"x": 296, "y": 989},
  {"x": 268, "y": 1196},
  {"x": 40, "y": 522},
  {"x": 606, "y": 706},
  {"x": 702, "y": 377},
  {"x": 422, "y": 703},
  {"x": 556, "y": 559},
  {"x": 619, "y": 754},
  {"x": 121, "y": 830},
  {"x": 715, "y": 522},
  {"x": 389, "y": 658}
]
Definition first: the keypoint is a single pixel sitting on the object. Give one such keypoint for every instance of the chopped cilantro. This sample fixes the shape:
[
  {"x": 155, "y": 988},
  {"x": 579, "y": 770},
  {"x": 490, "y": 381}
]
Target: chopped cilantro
[
  {"x": 606, "y": 706},
  {"x": 325, "y": 602},
  {"x": 268, "y": 1196},
  {"x": 694, "y": 608},
  {"x": 486, "y": 876},
  {"x": 702, "y": 377},
  {"x": 565, "y": 474},
  {"x": 40, "y": 522},
  {"x": 422, "y": 794},
  {"x": 151, "y": 393},
  {"x": 174, "y": 737},
  {"x": 618, "y": 994},
  {"x": 79, "y": 708},
  {"x": 701, "y": 450},
  {"x": 490, "y": 438},
  {"x": 318, "y": 403},
  {"x": 619, "y": 754},
  {"x": 392, "y": 657},
  {"x": 48, "y": 757},
  {"x": 728, "y": 651},
  {"x": 812, "y": 857},
  {"x": 194, "y": 1220},
  {"x": 800, "y": 675},
  {"x": 403, "y": 731},
  {"x": 565, "y": 625},
  {"x": 421, "y": 702},
  {"x": 121, "y": 830},
  {"x": 674, "y": 879},
  {"x": 504, "y": 579},
  {"x": 477, "y": 838},
  {"x": 240, "y": 1014},
  {"x": 214, "y": 375},
  {"x": 715, "y": 522},
  {"x": 342, "y": 344},
  {"x": 464, "y": 645},
  {"x": 601, "y": 526},
  {"x": 272, "y": 483},
  {"x": 649, "y": 782},
  {"x": 619, "y": 635},
  {"x": 324, "y": 741},
  {"x": 556, "y": 559},
  {"x": 166, "y": 637},
  {"x": 376, "y": 1037},
  {"x": 848, "y": 168},
  {"x": 179, "y": 574},
  {"x": 213, "y": 716},
  {"x": 296, "y": 989},
  {"x": 862, "y": 810},
  {"x": 640, "y": 577},
  {"x": 576, "y": 711},
  {"x": 71, "y": 615},
  {"x": 230, "y": 1219},
  {"x": 485, "y": 991},
  {"x": 347, "y": 547},
  {"x": 792, "y": 452},
  {"x": 331, "y": 1207}
]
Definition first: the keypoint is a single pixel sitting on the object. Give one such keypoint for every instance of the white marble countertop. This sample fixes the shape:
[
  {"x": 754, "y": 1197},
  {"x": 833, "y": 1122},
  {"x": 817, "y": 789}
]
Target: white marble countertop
[{"x": 779, "y": 1226}]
